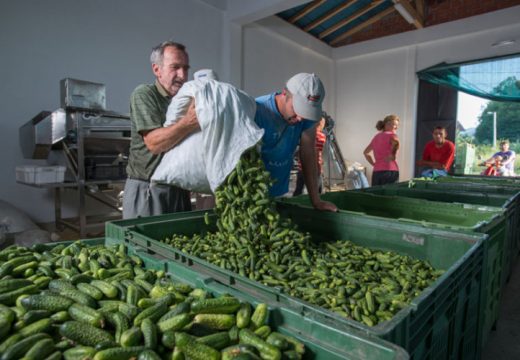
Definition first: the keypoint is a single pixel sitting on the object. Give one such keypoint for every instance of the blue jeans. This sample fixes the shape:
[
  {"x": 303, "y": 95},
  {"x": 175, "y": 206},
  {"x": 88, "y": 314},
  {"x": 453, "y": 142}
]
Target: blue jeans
[{"x": 433, "y": 173}]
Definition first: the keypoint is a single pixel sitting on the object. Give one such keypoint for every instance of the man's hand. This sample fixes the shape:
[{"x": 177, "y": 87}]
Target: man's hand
[
  {"x": 325, "y": 206},
  {"x": 190, "y": 119}
]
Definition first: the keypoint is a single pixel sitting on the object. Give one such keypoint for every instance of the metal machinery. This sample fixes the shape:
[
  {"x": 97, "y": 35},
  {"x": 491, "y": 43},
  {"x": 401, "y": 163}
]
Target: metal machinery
[
  {"x": 334, "y": 169},
  {"x": 92, "y": 142}
]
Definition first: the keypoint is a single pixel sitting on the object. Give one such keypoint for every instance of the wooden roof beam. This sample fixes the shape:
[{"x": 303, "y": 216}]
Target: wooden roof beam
[
  {"x": 351, "y": 18},
  {"x": 363, "y": 25},
  {"x": 416, "y": 19},
  {"x": 328, "y": 15},
  {"x": 420, "y": 6},
  {"x": 313, "y": 5}
]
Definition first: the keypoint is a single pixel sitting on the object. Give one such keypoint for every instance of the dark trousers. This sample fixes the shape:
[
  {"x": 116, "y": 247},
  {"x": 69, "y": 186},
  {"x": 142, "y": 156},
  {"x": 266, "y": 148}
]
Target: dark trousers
[{"x": 384, "y": 177}]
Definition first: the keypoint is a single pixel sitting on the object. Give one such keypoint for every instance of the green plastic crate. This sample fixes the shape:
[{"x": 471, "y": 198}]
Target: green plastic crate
[
  {"x": 441, "y": 323},
  {"x": 453, "y": 216},
  {"x": 507, "y": 202},
  {"x": 487, "y": 186},
  {"x": 322, "y": 342}
]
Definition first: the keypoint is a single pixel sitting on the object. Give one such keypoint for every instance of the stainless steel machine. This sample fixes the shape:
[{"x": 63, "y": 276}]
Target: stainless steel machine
[{"x": 91, "y": 141}]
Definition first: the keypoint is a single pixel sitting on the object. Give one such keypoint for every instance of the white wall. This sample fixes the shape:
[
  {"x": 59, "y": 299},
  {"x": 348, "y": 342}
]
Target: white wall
[
  {"x": 269, "y": 60},
  {"x": 103, "y": 41},
  {"x": 367, "y": 89}
]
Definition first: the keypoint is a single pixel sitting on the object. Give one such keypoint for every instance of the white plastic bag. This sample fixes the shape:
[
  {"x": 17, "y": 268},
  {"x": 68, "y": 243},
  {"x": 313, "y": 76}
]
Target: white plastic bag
[{"x": 202, "y": 161}]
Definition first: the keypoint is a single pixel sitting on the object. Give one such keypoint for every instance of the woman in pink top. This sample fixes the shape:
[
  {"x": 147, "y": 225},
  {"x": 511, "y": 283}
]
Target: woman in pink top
[{"x": 384, "y": 146}]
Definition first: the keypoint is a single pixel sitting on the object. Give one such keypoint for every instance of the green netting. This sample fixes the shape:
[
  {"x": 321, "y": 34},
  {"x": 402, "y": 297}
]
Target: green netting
[{"x": 494, "y": 79}]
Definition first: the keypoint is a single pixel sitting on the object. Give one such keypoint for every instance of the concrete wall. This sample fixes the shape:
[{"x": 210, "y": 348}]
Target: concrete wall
[{"x": 42, "y": 42}]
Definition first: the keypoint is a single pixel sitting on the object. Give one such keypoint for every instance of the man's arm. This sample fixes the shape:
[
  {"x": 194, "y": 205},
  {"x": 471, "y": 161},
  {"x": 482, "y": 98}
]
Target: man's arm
[
  {"x": 162, "y": 139},
  {"x": 309, "y": 169}
]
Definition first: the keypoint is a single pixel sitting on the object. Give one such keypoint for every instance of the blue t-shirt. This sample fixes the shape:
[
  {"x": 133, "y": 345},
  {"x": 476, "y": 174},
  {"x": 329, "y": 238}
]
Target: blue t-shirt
[{"x": 279, "y": 141}]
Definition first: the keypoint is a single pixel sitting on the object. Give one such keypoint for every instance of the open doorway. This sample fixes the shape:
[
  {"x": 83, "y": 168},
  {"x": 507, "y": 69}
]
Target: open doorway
[{"x": 478, "y": 103}]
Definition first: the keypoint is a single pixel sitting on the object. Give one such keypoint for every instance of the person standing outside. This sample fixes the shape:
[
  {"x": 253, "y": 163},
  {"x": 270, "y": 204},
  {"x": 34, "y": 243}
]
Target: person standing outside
[
  {"x": 149, "y": 139},
  {"x": 320, "y": 143},
  {"x": 289, "y": 118},
  {"x": 384, "y": 146},
  {"x": 438, "y": 154}
]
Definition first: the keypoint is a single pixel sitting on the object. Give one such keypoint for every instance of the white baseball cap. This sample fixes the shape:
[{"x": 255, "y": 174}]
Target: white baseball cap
[
  {"x": 207, "y": 74},
  {"x": 308, "y": 94}
]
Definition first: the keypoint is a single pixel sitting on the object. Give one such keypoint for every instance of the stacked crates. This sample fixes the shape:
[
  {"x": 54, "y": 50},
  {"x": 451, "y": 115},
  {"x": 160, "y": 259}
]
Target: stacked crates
[{"x": 442, "y": 322}]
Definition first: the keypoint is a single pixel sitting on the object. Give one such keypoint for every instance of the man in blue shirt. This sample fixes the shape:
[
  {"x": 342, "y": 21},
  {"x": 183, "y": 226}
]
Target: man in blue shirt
[{"x": 289, "y": 117}]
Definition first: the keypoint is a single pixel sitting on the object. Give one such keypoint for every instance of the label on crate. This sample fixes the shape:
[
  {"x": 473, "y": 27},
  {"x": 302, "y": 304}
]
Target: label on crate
[{"x": 414, "y": 239}]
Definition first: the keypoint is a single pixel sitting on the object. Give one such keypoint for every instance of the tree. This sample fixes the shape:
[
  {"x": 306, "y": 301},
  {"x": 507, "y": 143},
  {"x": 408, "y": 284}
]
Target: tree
[{"x": 508, "y": 117}]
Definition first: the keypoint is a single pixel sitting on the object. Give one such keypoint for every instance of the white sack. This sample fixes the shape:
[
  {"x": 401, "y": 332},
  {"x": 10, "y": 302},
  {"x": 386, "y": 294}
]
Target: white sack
[{"x": 203, "y": 160}]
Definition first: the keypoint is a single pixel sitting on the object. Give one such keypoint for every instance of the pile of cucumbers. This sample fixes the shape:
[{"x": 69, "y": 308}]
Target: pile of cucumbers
[
  {"x": 77, "y": 302},
  {"x": 252, "y": 240}
]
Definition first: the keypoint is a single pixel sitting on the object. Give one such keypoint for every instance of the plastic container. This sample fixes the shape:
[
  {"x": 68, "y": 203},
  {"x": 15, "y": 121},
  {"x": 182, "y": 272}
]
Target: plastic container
[
  {"x": 507, "y": 202},
  {"x": 322, "y": 342},
  {"x": 32, "y": 174},
  {"x": 454, "y": 216},
  {"x": 440, "y": 323},
  {"x": 489, "y": 186}
]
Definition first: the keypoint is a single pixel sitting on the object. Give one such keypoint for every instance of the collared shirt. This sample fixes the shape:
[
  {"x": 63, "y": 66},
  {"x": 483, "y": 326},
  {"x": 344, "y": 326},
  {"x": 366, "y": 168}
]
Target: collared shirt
[
  {"x": 148, "y": 106},
  {"x": 279, "y": 141}
]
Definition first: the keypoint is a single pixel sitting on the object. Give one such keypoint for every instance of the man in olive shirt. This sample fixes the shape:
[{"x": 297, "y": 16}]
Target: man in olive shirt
[{"x": 148, "y": 106}]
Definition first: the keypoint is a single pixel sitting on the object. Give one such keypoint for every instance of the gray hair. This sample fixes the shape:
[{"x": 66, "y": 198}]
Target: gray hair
[{"x": 158, "y": 51}]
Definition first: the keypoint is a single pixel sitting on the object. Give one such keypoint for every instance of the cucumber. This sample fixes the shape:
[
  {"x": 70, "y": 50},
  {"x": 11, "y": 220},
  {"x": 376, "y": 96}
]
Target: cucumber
[
  {"x": 259, "y": 316},
  {"x": 7, "y": 285},
  {"x": 240, "y": 350},
  {"x": 263, "y": 331},
  {"x": 11, "y": 340},
  {"x": 217, "y": 341},
  {"x": 52, "y": 303},
  {"x": 176, "y": 322},
  {"x": 79, "y": 353},
  {"x": 84, "y": 334},
  {"x": 34, "y": 315},
  {"x": 222, "y": 305},
  {"x": 118, "y": 353},
  {"x": 9, "y": 298},
  {"x": 195, "y": 350},
  {"x": 80, "y": 279},
  {"x": 149, "y": 330},
  {"x": 87, "y": 315},
  {"x": 17, "y": 350},
  {"x": 148, "y": 355},
  {"x": 168, "y": 339},
  {"x": 90, "y": 290},
  {"x": 119, "y": 322},
  {"x": 244, "y": 315},
  {"x": 108, "y": 289},
  {"x": 54, "y": 356},
  {"x": 39, "y": 326},
  {"x": 61, "y": 285},
  {"x": 277, "y": 340},
  {"x": 79, "y": 297},
  {"x": 181, "y": 308},
  {"x": 153, "y": 312},
  {"x": 267, "y": 351},
  {"x": 131, "y": 337},
  {"x": 40, "y": 349},
  {"x": 215, "y": 321},
  {"x": 60, "y": 316},
  {"x": 132, "y": 295},
  {"x": 130, "y": 311}
]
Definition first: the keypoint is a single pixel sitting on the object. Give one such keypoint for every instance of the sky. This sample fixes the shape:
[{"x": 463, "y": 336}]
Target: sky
[{"x": 469, "y": 108}]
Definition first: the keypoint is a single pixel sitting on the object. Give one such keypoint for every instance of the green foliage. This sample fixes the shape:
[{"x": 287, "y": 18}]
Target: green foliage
[{"x": 508, "y": 118}]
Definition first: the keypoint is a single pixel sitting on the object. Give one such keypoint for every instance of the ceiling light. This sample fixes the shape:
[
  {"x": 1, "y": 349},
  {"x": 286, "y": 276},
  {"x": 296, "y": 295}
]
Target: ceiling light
[
  {"x": 401, "y": 9},
  {"x": 503, "y": 43}
]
